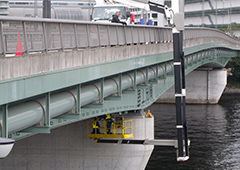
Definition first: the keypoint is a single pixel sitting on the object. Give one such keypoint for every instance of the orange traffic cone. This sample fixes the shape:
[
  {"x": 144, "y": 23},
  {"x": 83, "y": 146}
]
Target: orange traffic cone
[{"x": 18, "y": 46}]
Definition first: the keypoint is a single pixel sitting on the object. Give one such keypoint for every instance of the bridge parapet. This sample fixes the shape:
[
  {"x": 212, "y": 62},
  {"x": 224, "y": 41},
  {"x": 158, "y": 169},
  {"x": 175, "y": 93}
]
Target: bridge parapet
[
  {"x": 50, "y": 45},
  {"x": 48, "y": 35}
]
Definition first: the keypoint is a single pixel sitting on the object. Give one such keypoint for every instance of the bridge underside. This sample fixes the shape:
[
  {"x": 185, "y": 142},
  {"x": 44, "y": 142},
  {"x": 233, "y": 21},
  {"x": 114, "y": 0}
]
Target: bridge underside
[{"x": 103, "y": 89}]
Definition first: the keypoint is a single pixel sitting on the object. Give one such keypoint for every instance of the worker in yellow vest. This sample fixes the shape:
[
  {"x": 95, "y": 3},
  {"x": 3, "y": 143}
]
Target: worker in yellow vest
[
  {"x": 95, "y": 126},
  {"x": 109, "y": 123}
]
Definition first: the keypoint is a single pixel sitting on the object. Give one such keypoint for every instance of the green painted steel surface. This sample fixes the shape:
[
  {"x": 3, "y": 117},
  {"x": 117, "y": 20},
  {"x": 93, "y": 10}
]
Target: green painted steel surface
[
  {"x": 47, "y": 99},
  {"x": 21, "y": 88},
  {"x": 40, "y": 102},
  {"x": 63, "y": 103}
]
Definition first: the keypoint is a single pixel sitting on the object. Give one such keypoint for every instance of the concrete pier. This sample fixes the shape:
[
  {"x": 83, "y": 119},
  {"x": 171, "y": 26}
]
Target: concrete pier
[
  {"x": 68, "y": 148},
  {"x": 202, "y": 86}
]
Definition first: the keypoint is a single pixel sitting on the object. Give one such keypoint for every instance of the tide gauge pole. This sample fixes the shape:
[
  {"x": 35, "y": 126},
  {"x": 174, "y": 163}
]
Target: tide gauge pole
[
  {"x": 179, "y": 78},
  {"x": 175, "y": 18}
]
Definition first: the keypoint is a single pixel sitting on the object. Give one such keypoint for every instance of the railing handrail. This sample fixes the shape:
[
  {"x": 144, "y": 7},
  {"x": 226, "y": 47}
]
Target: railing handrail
[
  {"x": 38, "y": 34},
  {"x": 68, "y": 21}
]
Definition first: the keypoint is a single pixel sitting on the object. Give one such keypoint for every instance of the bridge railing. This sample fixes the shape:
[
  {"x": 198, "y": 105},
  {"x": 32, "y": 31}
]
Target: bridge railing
[
  {"x": 37, "y": 35},
  {"x": 195, "y": 33},
  {"x": 29, "y": 35}
]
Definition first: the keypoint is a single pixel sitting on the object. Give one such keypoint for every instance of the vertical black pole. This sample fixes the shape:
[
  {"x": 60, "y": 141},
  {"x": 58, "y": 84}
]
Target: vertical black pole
[
  {"x": 178, "y": 90},
  {"x": 46, "y": 9},
  {"x": 184, "y": 95},
  {"x": 179, "y": 73}
]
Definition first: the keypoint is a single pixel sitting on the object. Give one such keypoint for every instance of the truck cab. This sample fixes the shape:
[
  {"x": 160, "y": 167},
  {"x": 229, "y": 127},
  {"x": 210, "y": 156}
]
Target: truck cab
[{"x": 104, "y": 13}]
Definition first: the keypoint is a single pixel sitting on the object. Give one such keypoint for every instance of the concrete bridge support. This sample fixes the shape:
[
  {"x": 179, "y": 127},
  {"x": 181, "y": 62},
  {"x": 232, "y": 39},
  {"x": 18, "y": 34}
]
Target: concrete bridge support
[
  {"x": 68, "y": 148},
  {"x": 203, "y": 86}
]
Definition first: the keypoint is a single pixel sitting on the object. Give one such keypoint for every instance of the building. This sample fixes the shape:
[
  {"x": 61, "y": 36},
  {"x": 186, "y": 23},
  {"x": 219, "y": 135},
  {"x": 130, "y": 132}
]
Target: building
[{"x": 221, "y": 14}]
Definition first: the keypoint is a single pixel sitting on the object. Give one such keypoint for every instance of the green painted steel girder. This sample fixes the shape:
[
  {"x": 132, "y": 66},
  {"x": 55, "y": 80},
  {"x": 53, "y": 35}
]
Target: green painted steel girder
[
  {"x": 137, "y": 91},
  {"x": 32, "y": 112}
]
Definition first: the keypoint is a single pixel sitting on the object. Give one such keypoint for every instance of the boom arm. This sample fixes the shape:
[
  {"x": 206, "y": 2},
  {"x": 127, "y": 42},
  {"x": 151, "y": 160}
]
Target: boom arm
[{"x": 131, "y": 3}]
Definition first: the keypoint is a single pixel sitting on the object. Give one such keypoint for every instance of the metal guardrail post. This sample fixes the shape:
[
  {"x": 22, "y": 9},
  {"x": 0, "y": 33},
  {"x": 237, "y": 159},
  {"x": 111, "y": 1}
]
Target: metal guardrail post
[
  {"x": 138, "y": 35},
  {"x": 108, "y": 34},
  {"x": 61, "y": 36},
  {"x": 99, "y": 40},
  {"x": 88, "y": 36},
  {"x": 159, "y": 35},
  {"x": 132, "y": 35},
  {"x": 3, "y": 50},
  {"x": 125, "y": 35},
  {"x": 44, "y": 36},
  {"x": 25, "y": 37},
  {"x": 144, "y": 35},
  {"x": 117, "y": 35},
  {"x": 155, "y": 35},
  {"x": 149, "y": 34},
  {"x": 75, "y": 35},
  {"x": 31, "y": 39}
]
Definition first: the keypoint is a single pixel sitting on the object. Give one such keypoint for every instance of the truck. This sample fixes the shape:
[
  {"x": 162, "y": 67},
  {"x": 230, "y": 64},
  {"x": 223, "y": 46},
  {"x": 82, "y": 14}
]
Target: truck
[
  {"x": 104, "y": 13},
  {"x": 105, "y": 9}
]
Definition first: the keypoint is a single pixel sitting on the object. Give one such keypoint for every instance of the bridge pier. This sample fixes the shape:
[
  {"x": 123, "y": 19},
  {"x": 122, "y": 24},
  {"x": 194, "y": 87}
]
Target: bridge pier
[
  {"x": 203, "y": 86},
  {"x": 69, "y": 148}
]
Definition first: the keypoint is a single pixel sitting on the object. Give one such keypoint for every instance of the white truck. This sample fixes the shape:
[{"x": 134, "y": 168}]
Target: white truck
[
  {"x": 104, "y": 13},
  {"x": 105, "y": 9}
]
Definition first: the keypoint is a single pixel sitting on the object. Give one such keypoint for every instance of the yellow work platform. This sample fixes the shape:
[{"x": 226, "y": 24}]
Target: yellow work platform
[{"x": 119, "y": 128}]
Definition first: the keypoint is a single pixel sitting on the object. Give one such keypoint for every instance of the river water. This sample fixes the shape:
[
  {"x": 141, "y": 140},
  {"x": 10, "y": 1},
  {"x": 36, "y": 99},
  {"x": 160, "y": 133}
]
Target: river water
[{"x": 214, "y": 131}]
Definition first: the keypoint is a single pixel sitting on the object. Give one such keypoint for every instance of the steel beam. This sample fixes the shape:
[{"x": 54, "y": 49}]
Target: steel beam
[
  {"x": 155, "y": 142},
  {"x": 47, "y": 110},
  {"x": 32, "y": 112},
  {"x": 5, "y": 121}
]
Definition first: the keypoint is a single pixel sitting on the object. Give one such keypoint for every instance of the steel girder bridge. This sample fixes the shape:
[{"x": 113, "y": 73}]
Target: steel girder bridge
[{"x": 130, "y": 77}]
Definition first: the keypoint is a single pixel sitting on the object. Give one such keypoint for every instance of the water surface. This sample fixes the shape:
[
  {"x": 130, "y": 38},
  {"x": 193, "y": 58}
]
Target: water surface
[{"x": 214, "y": 131}]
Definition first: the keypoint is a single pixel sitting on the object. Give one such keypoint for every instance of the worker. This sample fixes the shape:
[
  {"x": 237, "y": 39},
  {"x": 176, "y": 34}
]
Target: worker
[
  {"x": 95, "y": 126},
  {"x": 148, "y": 114},
  {"x": 115, "y": 18},
  {"x": 109, "y": 123},
  {"x": 132, "y": 18}
]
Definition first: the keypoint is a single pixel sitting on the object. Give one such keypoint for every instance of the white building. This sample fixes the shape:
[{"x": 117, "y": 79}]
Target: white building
[{"x": 212, "y": 13}]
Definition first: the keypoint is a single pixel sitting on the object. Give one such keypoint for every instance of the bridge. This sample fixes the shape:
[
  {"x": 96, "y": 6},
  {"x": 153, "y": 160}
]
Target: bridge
[{"x": 70, "y": 71}]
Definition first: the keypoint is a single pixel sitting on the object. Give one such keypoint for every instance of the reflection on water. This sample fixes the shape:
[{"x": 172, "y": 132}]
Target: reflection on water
[{"x": 214, "y": 131}]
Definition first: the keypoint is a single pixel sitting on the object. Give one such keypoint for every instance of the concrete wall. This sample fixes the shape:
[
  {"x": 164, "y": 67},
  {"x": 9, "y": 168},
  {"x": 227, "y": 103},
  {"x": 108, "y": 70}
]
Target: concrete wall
[
  {"x": 13, "y": 67},
  {"x": 68, "y": 148},
  {"x": 31, "y": 64},
  {"x": 201, "y": 88}
]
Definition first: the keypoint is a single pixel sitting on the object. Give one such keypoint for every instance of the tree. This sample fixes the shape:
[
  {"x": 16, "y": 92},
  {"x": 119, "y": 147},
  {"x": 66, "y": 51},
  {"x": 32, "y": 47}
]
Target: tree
[{"x": 234, "y": 64}]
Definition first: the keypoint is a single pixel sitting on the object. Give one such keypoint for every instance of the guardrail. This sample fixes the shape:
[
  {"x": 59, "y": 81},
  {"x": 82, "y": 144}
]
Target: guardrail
[{"x": 39, "y": 35}]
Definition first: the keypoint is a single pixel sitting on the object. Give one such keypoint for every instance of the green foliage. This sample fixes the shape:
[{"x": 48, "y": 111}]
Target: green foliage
[
  {"x": 234, "y": 64},
  {"x": 233, "y": 85},
  {"x": 230, "y": 30}
]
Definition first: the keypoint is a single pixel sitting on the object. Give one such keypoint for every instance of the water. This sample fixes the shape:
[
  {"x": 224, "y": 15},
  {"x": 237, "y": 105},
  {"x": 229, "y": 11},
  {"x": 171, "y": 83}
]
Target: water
[{"x": 214, "y": 131}]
